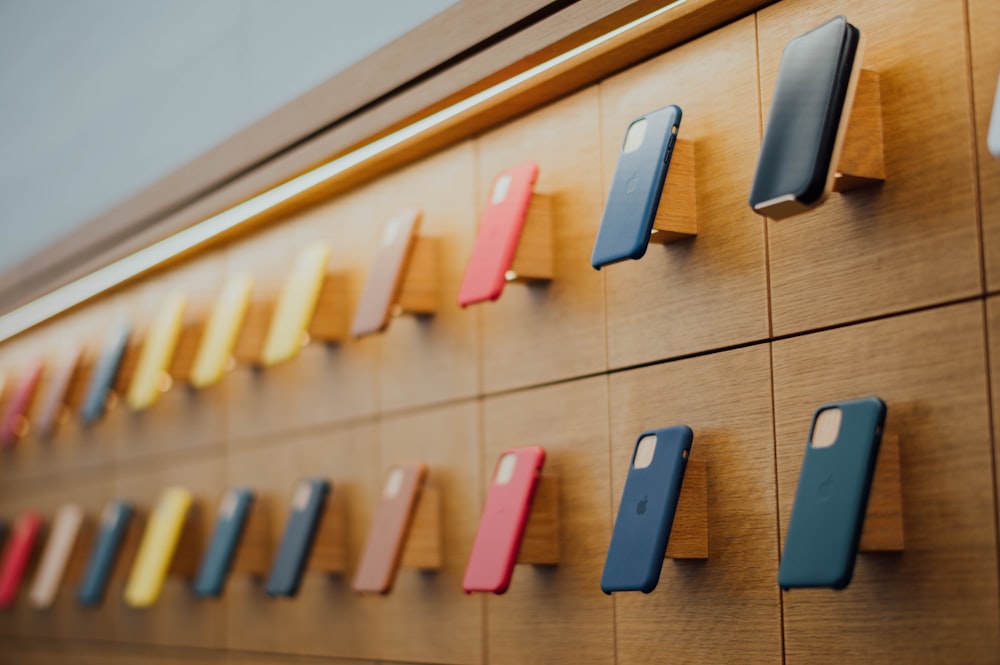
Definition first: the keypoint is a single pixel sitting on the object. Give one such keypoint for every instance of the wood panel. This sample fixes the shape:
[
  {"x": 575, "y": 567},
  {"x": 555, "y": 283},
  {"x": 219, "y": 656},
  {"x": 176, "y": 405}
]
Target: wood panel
[
  {"x": 726, "y": 399},
  {"x": 993, "y": 338},
  {"x": 912, "y": 241},
  {"x": 984, "y": 24},
  {"x": 709, "y": 291},
  {"x": 897, "y": 605},
  {"x": 545, "y": 604}
]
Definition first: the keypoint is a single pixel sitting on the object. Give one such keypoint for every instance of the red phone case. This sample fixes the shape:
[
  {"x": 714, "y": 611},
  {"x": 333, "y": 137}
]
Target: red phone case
[
  {"x": 499, "y": 233},
  {"x": 501, "y": 526},
  {"x": 16, "y": 416},
  {"x": 20, "y": 544}
]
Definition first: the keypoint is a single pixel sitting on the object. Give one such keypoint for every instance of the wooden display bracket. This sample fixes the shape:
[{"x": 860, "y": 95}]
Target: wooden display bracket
[
  {"x": 79, "y": 557},
  {"x": 677, "y": 214},
  {"x": 253, "y": 554},
  {"x": 187, "y": 554},
  {"x": 186, "y": 351},
  {"x": 862, "y": 158},
  {"x": 534, "y": 261},
  {"x": 540, "y": 544},
  {"x": 689, "y": 532},
  {"x": 423, "y": 550},
  {"x": 420, "y": 292},
  {"x": 883, "y": 526},
  {"x": 329, "y": 550}
]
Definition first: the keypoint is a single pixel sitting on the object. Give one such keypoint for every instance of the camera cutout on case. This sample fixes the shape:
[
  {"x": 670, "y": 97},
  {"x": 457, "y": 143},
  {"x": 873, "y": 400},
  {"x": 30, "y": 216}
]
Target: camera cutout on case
[
  {"x": 644, "y": 451},
  {"x": 302, "y": 494},
  {"x": 826, "y": 429},
  {"x": 634, "y": 135},
  {"x": 505, "y": 470},
  {"x": 393, "y": 483},
  {"x": 500, "y": 189}
]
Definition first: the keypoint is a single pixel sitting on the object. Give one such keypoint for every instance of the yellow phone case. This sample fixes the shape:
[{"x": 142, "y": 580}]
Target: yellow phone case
[
  {"x": 156, "y": 551},
  {"x": 157, "y": 352},
  {"x": 295, "y": 307},
  {"x": 221, "y": 331}
]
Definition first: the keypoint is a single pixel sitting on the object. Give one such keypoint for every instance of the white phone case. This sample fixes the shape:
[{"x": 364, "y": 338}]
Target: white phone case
[{"x": 62, "y": 538}]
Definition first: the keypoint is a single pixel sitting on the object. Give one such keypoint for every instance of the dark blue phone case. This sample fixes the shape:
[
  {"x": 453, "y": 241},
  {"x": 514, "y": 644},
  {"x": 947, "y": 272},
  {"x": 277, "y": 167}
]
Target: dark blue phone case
[
  {"x": 831, "y": 499},
  {"x": 635, "y": 191},
  {"x": 218, "y": 557},
  {"x": 103, "y": 377},
  {"x": 646, "y": 513},
  {"x": 297, "y": 541},
  {"x": 107, "y": 544}
]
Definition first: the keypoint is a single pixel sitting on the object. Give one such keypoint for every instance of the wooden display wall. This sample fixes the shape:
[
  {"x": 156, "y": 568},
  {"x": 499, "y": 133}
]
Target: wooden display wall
[{"x": 740, "y": 333}]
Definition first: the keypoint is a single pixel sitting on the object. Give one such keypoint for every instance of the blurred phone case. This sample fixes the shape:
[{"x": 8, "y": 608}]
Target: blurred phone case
[
  {"x": 58, "y": 547},
  {"x": 993, "y": 137},
  {"x": 115, "y": 519},
  {"x": 499, "y": 234},
  {"x": 296, "y": 305},
  {"x": 646, "y": 512},
  {"x": 221, "y": 331},
  {"x": 385, "y": 281},
  {"x": 17, "y": 555},
  {"x": 56, "y": 393},
  {"x": 15, "y": 419},
  {"x": 157, "y": 548},
  {"x": 102, "y": 379},
  {"x": 824, "y": 530},
  {"x": 387, "y": 535},
  {"x": 157, "y": 352},
  {"x": 504, "y": 518},
  {"x": 308, "y": 505},
  {"x": 229, "y": 526},
  {"x": 637, "y": 186}
]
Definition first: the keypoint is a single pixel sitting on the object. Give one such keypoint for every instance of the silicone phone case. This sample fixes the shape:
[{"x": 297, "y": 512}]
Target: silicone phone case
[
  {"x": 388, "y": 271},
  {"x": 16, "y": 555},
  {"x": 812, "y": 102},
  {"x": 221, "y": 331},
  {"x": 103, "y": 377},
  {"x": 646, "y": 513},
  {"x": 387, "y": 535},
  {"x": 296, "y": 305},
  {"x": 157, "y": 548},
  {"x": 308, "y": 504},
  {"x": 832, "y": 496},
  {"x": 233, "y": 514},
  {"x": 107, "y": 545},
  {"x": 157, "y": 352},
  {"x": 58, "y": 547},
  {"x": 993, "y": 137},
  {"x": 636, "y": 188},
  {"x": 499, "y": 233},
  {"x": 56, "y": 394},
  {"x": 16, "y": 416},
  {"x": 501, "y": 526}
]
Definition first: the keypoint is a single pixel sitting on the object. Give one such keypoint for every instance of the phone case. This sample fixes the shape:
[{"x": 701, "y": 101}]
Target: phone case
[
  {"x": 115, "y": 520},
  {"x": 505, "y": 515},
  {"x": 102, "y": 379},
  {"x": 387, "y": 535},
  {"x": 636, "y": 188},
  {"x": 16, "y": 417},
  {"x": 157, "y": 352},
  {"x": 646, "y": 512},
  {"x": 831, "y": 499},
  {"x": 50, "y": 410},
  {"x": 385, "y": 282},
  {"x": 499, "y": 234},
  {"x": 221, "y": 331},
  {"x": 812, "y": 103},
  {"x": 16, "y": 555},
  {"x": 58, "y": 547},
  {"x": 308, "y": 504},
  {"x": 157, "y": 548},
  {"x": 296, "y": 305},
  {"x": 993, "y": 137},
  {"x": 233, "y": 514}
]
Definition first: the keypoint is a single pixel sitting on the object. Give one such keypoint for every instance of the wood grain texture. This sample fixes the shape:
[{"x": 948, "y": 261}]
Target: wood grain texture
[
  {"x": 689, "y": 531},
  {"x": 993, "y": 335},
  {"x": 897, "y": 605},
  {"x": 423, "y": 549},
  {"x": 421, "y": 289},
  {"x": 984, "y": 24},
  {"x": 535, "y": 258},
  {"x": 884, "y": 528},
  {"x": 916, "y": 232},
  {"x": 540, "y": 542},
  {"x": 737, "y": 584},
  {"x": 710, "y": 291},
  {"x": 545, "y": 604},
  {"x": 677, "y": 215},
  {"x": 862, "y": 159}
]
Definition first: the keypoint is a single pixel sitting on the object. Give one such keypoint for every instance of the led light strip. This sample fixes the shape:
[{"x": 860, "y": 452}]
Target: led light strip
[{"x": 45, "y": 307}]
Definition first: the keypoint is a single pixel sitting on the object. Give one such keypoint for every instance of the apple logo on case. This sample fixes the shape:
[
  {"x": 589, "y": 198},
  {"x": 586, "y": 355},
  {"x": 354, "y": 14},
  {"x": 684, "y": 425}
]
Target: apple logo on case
[
  {"x": 631, "y": 183},
  {"x": 640, "y": 508},
  {"x": 825, "y": 490}
]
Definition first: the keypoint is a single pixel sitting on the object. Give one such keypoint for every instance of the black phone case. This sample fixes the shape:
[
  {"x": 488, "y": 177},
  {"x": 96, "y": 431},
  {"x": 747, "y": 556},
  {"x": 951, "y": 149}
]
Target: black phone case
[
  {"x": 229, "y": 527},
  {"x": 297, "y": 541}
]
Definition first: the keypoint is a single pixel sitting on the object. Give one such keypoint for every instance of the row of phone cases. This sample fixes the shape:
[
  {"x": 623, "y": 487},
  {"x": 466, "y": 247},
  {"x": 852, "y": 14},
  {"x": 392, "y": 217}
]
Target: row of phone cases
[{"x": 820, "y": 545}]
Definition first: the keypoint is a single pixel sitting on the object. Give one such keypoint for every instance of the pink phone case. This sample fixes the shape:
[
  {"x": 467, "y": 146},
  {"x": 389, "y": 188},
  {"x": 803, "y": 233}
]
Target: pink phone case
[
  {"x": 15, "y": 419},
  {"x": 504, "y": 517},
  {"x": 20, "y": 544}
]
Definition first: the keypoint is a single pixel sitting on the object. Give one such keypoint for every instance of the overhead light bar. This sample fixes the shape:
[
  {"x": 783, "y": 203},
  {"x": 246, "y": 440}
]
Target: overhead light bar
[{"x": 103, "y": 279}]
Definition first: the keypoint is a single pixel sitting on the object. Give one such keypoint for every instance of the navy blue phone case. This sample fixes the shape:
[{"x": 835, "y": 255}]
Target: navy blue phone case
[
  {"x": 232, "y": 519},
  {"x": 107, "y": 543},
  {"x": 103, "y": 377},
  {"x": 646, "y": 513},
  {"x": 308, "y": 504},
  {"x": 831, "y": 499},
  {"x": 636, "y": 189}
]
